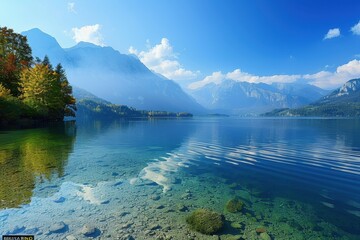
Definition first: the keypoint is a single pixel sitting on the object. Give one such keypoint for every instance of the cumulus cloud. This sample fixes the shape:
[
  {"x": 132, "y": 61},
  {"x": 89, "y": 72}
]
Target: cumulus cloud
[
  {"x": 162, "y": 59},
  {"x": 332, "y": 33},
  {"x": 90, "y": 33},
  {"x": 343, "y": 73},
  {"x": 71, "y": 7},
  {"x": 356, "y": 29},
  {"x": 322, "y": 79},
  {"x": 239, "y": 76}
]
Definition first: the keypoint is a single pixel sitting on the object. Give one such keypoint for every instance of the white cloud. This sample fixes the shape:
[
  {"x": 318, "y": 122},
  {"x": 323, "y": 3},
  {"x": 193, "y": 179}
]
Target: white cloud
[
  {"x": 356, "y": 29},
  {"x": 329, "y": 80},
  {"x": 322, "y": 79},
  {"x": 332, "y": 33},
  {"x": 239, "y": 76},
  {"x": 90, "y": 33},
  {"x": 215, "y": 77},
  {"x": 71, "y": 7},
  {"x": 162, "y": 59}
]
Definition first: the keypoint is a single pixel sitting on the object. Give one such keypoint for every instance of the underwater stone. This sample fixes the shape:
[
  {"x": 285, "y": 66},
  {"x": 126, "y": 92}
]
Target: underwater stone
[
  {"x": 230, "y": 237},
  {"x": 71, "y": 237},
  {"x": 155, "y": 197},
  {"x": 234, "y": 205},
  {"x": 59, "y": 200},
  {"x": 236, "y": 225},
  {"x": 182, "y": 208},
  {"x": 265, "y": 236},
  {"x": 205, "y": 221},
  {"x": 155, "y": 227},
  {"x": 88, "y": 230},
  {"x": 58, "y": 227}
]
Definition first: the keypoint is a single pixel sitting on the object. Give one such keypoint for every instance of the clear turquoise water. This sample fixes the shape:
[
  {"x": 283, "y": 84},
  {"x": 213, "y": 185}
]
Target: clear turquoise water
[{"x": 298, "y": 178}]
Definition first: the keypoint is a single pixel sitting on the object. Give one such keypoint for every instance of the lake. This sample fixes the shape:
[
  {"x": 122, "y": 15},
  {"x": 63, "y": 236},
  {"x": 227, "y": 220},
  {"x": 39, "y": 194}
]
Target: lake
[{"x": 140, "y": 179}]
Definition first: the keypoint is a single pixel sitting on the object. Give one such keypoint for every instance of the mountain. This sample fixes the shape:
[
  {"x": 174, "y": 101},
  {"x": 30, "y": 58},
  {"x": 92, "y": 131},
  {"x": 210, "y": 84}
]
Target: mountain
[
  {"x": 234, "y": 97},
  {"x": 81, "y": 94},
  {"x": 91, "y": 107},
  {"x": 349, "y": 92},
  {"x": 115, "y": 77},
  {"x": 343, "y": 102}
]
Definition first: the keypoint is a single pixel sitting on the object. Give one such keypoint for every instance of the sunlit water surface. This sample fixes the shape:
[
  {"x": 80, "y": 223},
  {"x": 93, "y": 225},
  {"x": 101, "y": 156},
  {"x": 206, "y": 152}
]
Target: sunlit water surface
[{"x": 298, "y": 178}]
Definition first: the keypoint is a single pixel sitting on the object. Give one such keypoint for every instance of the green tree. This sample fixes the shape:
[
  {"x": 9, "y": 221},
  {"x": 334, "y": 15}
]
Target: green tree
[{"x": 68, "y": 101}]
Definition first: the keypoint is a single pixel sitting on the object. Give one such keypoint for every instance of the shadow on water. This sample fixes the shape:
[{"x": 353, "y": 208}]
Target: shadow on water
[{"x": 30, "y": 155}]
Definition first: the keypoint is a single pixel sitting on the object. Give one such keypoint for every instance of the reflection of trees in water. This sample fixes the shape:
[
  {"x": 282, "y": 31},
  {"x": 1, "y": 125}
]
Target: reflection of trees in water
[{"x": 28, "y": 154}]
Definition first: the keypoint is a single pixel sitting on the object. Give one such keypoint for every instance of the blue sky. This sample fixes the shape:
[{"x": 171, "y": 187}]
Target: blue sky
[{"x": 210, "y": 41}]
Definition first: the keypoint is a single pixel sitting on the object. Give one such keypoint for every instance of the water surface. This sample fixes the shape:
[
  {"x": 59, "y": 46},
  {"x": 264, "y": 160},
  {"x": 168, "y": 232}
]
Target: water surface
[{"x": 298, "y": 178}]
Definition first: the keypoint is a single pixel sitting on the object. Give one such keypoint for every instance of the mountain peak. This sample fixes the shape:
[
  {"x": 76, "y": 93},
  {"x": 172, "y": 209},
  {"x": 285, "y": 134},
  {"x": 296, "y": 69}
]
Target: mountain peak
[
  {"x": 42, "y": 43},
  {"x": 83, "y": 44},
  {"x": 38, "y": 35},
  {"x": 347, "y": 88}
]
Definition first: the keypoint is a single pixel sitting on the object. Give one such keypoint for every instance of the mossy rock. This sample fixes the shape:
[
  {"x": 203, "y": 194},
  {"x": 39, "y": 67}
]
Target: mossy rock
[
  {"x": 205, "y": 221},
  {"x": 234, "y": 205}
]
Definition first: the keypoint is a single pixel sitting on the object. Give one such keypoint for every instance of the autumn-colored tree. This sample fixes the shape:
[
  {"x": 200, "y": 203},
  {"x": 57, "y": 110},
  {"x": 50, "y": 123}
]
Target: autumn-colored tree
[
  {"x": 47, "y": 91},
  {"x": 36, "y": 85},
  {"x": 15, "y": 55},
  {"x": 31, "y": 89}
]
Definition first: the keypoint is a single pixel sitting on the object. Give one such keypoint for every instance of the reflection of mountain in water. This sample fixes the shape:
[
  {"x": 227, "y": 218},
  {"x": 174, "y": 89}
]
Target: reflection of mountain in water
[{"x": 28, "y": 155}]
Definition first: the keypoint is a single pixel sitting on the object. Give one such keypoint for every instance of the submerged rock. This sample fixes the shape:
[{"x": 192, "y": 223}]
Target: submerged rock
[
  {"x": 236, "y": 225},
  {"x": 59, "y": 200},
  {"x": 155, "y": 197},
  {"x": 265, "y": 236},
  {"x": 71, "y": 237},
  {"x": 230, "y": 237},
  {"x": 205, "y": 221},
  {"x": 88, "y": 230},
  {"x": 234, "y": 205},
  {"x": 58, "y": 227},
  {"x": 182, "y": 208}
]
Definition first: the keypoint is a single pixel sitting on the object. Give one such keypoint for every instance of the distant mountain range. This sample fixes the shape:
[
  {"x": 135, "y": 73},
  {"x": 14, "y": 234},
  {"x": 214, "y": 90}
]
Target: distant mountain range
[
  {"x": 91, "y": 107},
  {"x": 123, "y": 80},
  {"x": 232, "y": 97},
  {"x": 343, "y": 102},
  {"x": 115, "y": 77}
]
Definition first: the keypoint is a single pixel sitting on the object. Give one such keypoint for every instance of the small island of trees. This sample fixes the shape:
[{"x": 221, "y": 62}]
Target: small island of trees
[{"x": 31, "y": 89}]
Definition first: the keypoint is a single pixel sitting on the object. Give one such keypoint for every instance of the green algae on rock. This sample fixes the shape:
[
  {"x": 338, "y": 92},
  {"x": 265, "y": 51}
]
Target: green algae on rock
[
  {"x": 205, "y": 221},
  {"x": 234, "y": 205}
]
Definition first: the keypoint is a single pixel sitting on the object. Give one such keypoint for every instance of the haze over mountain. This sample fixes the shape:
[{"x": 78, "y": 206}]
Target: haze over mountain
[
  {"x": 115, "y": 77},
  {"x": 235, "y": 97},
  {"x": 343, "y": 102}
]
